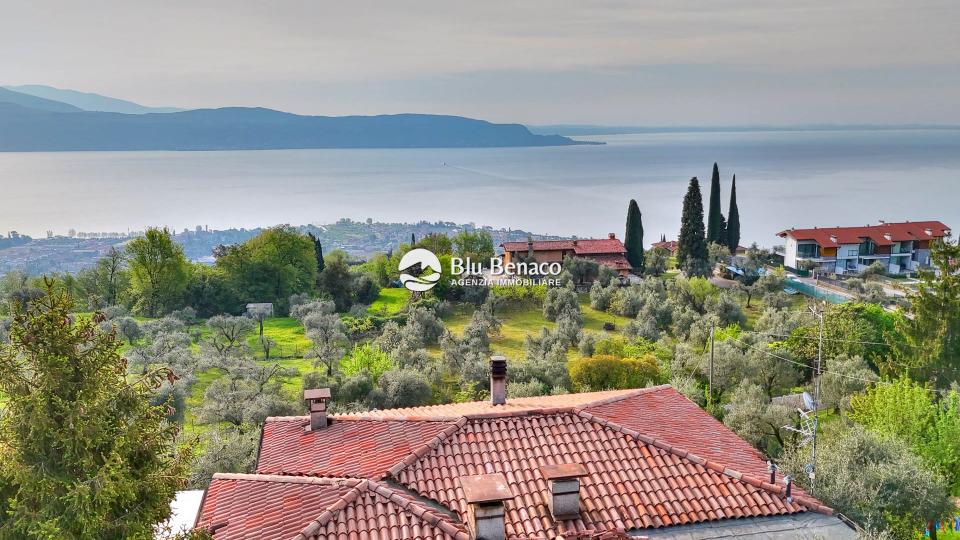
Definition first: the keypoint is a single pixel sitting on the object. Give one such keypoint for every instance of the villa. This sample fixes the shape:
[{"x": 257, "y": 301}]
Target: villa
[
  {"x": 609, "y": 251},
  {"x": 901, "y": 247},
  {"x": 643, "y": 463}
]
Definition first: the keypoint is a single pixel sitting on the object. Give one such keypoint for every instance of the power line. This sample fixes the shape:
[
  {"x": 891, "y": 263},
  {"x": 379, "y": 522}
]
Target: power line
[{"x": 837, "y": 339}]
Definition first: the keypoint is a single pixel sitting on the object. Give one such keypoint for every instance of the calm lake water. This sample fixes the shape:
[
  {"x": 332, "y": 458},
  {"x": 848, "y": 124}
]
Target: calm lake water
[{"x": 784, "y": 179}]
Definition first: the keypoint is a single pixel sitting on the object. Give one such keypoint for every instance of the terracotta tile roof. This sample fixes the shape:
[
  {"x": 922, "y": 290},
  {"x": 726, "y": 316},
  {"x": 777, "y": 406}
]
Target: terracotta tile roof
[
  {"x": 373, "y": 446},
  {"x": 883, "y": 235},
  {"x": 283, "y": 507},
  {"x": 669, "y": 245},
  {"x": 585, "y": 246},
  {"x": 618, "y": 262},
  {"x": 634, "y": 481},
  {"x": 243, "y": 506},
  {"x": 658, "y": 415},
  {"x": 654, "y": 459}
]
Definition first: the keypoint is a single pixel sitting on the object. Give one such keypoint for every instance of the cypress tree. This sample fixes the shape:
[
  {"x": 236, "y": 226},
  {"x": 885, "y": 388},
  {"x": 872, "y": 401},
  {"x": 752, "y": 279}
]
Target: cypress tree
[
  {"x": 663, "y": 238},
  {"x": 413, "y": 239},
  {"x": 692, "y": 244},
  {"x": 633, "y": 239},
  {"x": 317, "y": 251},
  {"x": 714, "y": 230},
  {"x": 722, "y": 240},
  {"x": 733, "y": 219}
]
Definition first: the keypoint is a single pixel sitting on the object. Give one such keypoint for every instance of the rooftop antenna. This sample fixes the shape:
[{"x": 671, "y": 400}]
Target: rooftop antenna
[{"x": 809, "y": 415}]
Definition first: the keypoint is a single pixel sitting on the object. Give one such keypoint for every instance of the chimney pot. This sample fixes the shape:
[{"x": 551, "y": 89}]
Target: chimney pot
[
  {"x": 317, "y": 400},
  {"x": 612, "y": 236},
  {"x": 485, "y": 495},
  {"x": 564, "y": 480},
  {"x": 498, "y": 380}
]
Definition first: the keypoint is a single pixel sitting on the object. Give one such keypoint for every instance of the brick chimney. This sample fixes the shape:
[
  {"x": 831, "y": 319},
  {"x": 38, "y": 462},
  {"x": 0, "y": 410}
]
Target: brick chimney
[
  {"x": 486, "y": 494},
  {"x": 498, "y": 380},
  {"x": 612, "y": 236},
  {"x": 317, "y": 400},
  {"x": 564, "y": 485}
]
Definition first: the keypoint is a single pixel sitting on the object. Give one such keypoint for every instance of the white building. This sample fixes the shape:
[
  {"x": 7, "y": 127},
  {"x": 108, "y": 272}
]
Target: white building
[{"x": 900, "y": 247}]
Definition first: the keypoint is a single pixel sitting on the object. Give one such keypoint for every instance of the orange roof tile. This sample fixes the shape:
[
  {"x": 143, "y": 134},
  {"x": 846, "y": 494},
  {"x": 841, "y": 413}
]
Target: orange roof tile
[
  {"x": 653, "y": 458},
  {"x": 372, "y": 447},
  {"x": 634, "y": 481},
  {"x": 268, "y": 507},
  {"x": 883, "y": 235},
  {"x": 583, "y": 246}
]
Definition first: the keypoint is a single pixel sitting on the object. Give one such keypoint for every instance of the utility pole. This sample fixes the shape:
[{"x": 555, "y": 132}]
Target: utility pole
[{"x": 713, "y": 328}]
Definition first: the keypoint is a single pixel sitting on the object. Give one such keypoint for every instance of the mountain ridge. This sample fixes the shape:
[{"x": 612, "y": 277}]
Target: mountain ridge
[
  {"x": 88, "y": 101},
  {"x": 242, "y": 128}
]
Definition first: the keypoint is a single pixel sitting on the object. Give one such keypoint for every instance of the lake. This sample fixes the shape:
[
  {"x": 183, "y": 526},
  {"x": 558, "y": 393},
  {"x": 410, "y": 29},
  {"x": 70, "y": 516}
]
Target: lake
[{"x": 784, "y": 179}]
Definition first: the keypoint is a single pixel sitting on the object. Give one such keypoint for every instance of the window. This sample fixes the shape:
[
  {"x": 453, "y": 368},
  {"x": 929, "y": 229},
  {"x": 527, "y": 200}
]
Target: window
[
  {"x": 853, "y": 252},
  {"x": 868, "y": 247},
  {"x": 808, "y": 251}
]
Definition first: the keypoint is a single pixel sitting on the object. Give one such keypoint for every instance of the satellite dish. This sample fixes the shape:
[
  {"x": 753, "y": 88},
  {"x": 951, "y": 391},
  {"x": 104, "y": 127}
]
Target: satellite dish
[{"x": 808, "y": 402}]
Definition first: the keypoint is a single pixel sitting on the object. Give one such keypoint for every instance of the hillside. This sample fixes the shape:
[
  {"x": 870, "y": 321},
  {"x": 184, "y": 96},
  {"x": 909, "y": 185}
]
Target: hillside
[
  {"x": 34, "y": 102},
  {"x": 88, "y": 101},
  {"x": 33, "y": 129}
]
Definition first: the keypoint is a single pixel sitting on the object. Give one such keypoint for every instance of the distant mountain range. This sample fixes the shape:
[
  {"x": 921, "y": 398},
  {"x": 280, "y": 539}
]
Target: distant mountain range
[
  {"x": 31, "y": 120},
  {"x": 88, "y": 101}
]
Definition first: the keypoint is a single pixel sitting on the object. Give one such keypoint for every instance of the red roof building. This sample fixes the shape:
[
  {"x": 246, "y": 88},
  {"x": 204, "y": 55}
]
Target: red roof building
[
  {"x": 608, "y": 251},
  {"x": 900, "y": 247},
  {"x": 615, "y": 464}
]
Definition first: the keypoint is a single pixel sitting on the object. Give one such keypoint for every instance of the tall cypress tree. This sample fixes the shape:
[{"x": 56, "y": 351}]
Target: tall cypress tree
[
  {"x": 692, "y": 244},
  {"x": 633, "y": 239},
  {"x": 733, "y": 219},
  {"x": 317, "y": 251},
  {"x": 413, "y": 239},
  {"x": 714, "y": 225}
]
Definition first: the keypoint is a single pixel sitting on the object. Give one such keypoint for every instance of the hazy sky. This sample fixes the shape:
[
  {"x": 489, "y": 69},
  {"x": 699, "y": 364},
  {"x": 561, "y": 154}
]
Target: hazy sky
[{"x": 534, "y": 61}]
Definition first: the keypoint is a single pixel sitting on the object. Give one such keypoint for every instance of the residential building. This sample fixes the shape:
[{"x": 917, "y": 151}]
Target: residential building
[
  {"x": 608, "y": 251},
  {"x": 644, "y": 463},
  {"x": 900, "y": 247}
]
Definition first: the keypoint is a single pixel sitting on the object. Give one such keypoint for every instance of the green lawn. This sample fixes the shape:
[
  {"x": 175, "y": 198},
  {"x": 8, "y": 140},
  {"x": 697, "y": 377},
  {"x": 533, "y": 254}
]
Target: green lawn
[
  {"x": 287, "y": 332},
  {"x": 521, "y": 321},
  {"x": 390, "y": 302}
]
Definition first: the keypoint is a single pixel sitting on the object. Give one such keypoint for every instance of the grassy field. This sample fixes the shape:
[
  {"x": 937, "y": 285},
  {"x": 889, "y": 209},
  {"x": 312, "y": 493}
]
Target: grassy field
[
  {"x": 519, "y": 322},
  {"x": 390, "y": 302}
]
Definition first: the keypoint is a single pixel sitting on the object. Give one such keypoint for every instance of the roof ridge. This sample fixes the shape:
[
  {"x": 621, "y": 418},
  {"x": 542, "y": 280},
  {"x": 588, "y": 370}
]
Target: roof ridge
[
  {"x": 288, "y": 479},
  {"x": 286, "y": 418},
  {"x": 626, "y": 395},
  {"x": 390, "y": 495},
  {"x": 808, "y": 502},
  {"x": 425, "y": 448},
  {"x": 387, "y": 418},
  {"x": 350, "y": 496}
]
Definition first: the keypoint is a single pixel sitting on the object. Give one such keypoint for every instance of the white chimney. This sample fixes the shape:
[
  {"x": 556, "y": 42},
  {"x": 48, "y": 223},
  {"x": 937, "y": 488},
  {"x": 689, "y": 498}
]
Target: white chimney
[
  {"x": 485, "y": 495},
  {"x": 498, "y": 380},
  {"x": 564, "y": 485},
  {"x": 317, "y": 400}
]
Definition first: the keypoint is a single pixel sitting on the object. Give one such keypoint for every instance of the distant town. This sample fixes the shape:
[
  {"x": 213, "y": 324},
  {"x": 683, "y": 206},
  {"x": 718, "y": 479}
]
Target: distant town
[{"x": 75, "y": 250}]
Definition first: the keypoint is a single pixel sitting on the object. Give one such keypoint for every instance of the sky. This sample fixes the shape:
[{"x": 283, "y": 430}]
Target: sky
[{"x": 663, "y": 63}]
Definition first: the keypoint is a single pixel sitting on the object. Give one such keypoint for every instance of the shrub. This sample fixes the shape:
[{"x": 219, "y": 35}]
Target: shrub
[
  {"x": 366, "y": 358},
  {"x": 603, "y": 372}
]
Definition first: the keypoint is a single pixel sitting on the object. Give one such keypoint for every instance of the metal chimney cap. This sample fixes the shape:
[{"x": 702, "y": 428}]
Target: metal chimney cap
[
  {"x": 316, "y": 393},
  {"x": 563, "y": 470},
  {"x": 485, "y": 488}
]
